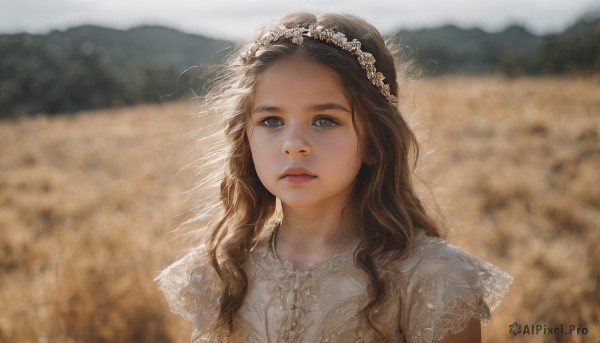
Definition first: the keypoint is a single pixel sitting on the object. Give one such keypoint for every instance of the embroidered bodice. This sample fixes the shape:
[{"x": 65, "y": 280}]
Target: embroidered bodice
[{"x": 436, "y": 290}]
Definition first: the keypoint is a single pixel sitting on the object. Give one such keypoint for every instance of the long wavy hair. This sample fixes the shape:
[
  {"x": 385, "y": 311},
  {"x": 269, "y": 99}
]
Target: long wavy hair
[{"x": 235, "y": 215}]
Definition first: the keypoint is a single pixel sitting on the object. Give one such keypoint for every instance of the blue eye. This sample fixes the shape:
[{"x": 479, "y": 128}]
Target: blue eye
[
  {"x": 272, "y": 120},
  {"x": 333, "y": 122}
]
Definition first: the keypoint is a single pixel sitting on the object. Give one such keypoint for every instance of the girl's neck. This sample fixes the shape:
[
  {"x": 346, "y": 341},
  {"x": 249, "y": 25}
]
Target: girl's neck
[
  {"x": 313, "y": 243},
  {"x": 311, "y": 228}
]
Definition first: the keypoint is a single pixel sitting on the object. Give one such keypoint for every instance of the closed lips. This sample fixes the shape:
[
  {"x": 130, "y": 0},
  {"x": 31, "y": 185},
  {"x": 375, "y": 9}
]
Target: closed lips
[{"x": 297, "y": 171}]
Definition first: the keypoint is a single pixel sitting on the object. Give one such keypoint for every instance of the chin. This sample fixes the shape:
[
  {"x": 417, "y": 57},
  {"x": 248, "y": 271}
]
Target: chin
[{"x": 298, "y": 202}]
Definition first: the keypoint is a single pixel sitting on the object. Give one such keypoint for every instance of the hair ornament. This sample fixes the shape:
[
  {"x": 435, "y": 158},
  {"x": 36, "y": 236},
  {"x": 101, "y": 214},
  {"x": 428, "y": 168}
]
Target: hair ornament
[{"x": 336, "y": 38}]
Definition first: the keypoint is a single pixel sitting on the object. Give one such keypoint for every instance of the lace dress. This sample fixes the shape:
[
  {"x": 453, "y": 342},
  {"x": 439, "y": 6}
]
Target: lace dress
[{"x": 433, "y": 292}]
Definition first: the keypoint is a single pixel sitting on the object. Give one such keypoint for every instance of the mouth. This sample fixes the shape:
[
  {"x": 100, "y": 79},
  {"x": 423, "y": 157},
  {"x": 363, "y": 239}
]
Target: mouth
[
  {"x": 298, "y": 178},
  {"x": 297, "y": 174}
]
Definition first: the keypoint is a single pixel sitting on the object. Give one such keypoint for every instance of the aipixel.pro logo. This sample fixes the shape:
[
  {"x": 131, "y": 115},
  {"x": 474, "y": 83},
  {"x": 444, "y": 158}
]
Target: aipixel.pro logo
[{"x": 516, "y": 329}]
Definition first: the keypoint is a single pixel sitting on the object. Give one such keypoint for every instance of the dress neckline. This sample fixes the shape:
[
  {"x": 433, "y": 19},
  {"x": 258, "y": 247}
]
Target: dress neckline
[
  {"x": 334, "y": 259},
  {"x": 330, "y": 263}
]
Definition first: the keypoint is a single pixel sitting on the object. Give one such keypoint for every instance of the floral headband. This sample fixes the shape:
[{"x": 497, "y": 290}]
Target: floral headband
[{"x": 297, "y": 34}]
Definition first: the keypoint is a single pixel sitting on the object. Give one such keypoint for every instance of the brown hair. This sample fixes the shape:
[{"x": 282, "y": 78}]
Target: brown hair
[{"x": 387, "y": 208}]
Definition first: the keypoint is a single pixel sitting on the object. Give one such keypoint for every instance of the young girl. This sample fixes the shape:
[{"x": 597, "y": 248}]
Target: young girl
[{"x": 311, "y": 119}]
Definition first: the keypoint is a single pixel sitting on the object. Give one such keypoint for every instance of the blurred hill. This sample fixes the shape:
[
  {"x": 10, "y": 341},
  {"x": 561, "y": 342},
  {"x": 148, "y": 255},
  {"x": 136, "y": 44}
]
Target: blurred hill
[
  {"x": 513, "y": 51},
  {"x": 94, "y": 67},
  {"x": 576, "y": 50},
  {"x": 453, "y": 50}
]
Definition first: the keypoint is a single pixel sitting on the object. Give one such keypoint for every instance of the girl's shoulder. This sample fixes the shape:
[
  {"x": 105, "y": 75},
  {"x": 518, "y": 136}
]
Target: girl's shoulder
[
  {"x": 189, "y": 285},
  {"x": 434, "y": 257},
  {"x": 445, "y": 287}
]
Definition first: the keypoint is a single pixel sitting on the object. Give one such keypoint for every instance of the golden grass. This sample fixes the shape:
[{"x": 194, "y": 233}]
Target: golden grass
[{"x": 87, "y": 204}]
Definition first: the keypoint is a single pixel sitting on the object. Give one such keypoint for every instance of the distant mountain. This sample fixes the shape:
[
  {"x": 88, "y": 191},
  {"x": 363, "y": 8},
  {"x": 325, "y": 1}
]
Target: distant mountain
[
  {"x": 128, "y": 53},
  {"x": 576, "y": 50},
  {"x": 450, "y": 49},
  {"x": 586, "y": 25},
  {"x": 91, "y": 67}
]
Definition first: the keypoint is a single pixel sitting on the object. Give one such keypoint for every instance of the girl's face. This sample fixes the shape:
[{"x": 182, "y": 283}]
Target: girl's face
[{"x": 301, "y": 118}]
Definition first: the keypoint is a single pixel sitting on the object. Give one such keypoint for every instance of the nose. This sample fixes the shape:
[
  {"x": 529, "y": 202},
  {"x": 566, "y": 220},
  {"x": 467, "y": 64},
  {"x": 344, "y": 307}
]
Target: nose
[{"x": 296, "y": 142}]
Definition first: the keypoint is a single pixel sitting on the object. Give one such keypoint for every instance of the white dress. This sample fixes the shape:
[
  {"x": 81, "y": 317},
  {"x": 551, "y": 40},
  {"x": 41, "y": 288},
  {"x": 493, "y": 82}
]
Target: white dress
[{"x": 435, "y": 291}]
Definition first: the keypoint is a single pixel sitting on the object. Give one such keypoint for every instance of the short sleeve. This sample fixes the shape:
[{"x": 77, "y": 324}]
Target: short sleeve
[
  {"x": 188, "y": 287},
  {"x": 447, "y": 289}
]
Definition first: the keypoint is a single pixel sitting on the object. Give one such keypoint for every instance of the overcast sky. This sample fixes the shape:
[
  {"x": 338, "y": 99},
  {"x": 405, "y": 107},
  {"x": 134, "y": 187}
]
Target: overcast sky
[{"x": 237, "y": 19}]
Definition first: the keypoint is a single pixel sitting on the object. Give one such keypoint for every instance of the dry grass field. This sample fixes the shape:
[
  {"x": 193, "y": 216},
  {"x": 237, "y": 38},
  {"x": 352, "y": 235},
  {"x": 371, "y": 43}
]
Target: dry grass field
[{"x": 88, "y": 202}]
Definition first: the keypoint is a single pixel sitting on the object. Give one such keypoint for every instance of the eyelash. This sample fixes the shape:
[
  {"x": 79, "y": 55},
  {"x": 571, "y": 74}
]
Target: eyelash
[{"x": 335, "y": 123}]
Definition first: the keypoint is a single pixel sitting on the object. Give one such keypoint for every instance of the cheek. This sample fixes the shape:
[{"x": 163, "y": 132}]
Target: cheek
[
  {"x": 253, "y": 140},
  {"x": 260, "y": 151},
  {"x": 342, "y": 148}
]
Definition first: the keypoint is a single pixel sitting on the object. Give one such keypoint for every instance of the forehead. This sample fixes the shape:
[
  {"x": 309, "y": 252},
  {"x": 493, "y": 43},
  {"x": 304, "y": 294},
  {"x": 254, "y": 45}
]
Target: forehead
[{"x": 295, "y": 81}]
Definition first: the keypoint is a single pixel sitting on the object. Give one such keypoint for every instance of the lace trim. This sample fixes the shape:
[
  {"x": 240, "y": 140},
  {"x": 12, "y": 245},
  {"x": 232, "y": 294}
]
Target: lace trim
[
  {"x": 174, "y": 282},
  {"x": 189, "y": 288},
  {"x": 446, "y": 301}
]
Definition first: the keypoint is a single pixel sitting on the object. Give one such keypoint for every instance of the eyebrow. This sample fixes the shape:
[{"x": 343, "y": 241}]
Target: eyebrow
[{"x": 319, "y": 107}]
